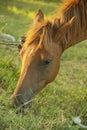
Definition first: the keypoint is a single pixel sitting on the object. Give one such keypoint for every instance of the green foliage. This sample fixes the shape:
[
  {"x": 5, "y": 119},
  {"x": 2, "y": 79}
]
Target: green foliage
[{"x": 65, "y": 98}]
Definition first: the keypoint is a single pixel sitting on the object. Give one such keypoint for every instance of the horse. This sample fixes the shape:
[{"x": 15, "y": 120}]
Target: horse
[{"x": 43, "y": 47}]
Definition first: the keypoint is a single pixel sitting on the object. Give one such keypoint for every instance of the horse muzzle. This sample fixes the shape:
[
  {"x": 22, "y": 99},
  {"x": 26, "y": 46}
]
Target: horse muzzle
[{"x": 23, "y": 100}]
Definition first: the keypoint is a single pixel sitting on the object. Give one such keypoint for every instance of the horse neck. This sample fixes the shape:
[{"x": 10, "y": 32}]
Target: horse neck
[{"x": 78, "y": 32}]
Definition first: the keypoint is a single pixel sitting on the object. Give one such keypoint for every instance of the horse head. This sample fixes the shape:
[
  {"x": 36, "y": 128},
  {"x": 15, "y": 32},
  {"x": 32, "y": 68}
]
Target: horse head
[{"x": 40, "y": 54}]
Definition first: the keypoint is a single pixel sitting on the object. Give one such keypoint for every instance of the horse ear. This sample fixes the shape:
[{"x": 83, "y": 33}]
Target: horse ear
[
  {"x": 61, "y": 31},
  {"x": 39, "y": 17}
]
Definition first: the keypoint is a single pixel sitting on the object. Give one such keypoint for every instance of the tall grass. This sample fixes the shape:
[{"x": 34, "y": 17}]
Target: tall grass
[{"x": 65, "y": 98}]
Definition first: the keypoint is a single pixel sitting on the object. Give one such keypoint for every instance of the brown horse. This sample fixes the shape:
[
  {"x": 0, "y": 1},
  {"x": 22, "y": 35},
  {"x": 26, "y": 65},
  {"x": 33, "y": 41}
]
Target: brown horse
[{"x": 44, "y": 46}]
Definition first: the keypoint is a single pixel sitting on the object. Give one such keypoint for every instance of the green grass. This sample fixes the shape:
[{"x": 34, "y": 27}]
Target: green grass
[{"x": 63, "y": 99}]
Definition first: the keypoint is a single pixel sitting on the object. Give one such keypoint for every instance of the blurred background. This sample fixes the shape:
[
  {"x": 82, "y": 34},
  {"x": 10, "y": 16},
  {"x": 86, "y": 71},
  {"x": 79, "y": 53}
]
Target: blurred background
[{"x": 60, "y": 101}]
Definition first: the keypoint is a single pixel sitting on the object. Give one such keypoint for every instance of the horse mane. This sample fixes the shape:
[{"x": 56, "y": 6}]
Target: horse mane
[
  {"x": 38, "y": 34},
  {"x": 69, "y": 8},
  {"x": 77, "y": 8}
]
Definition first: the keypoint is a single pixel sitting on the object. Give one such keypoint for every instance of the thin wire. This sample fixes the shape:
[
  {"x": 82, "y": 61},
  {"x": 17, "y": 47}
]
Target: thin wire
[{"x": 9, "y": 44}]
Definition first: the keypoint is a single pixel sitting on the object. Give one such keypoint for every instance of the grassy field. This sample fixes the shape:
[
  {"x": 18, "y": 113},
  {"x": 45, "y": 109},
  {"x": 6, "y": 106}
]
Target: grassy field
[{"x": 65, "y": 98}]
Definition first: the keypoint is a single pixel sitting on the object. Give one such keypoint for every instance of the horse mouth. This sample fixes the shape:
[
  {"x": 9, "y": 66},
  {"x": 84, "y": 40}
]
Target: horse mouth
[
  {"x": 22, "y": 100},
  {"x": 24, "y": 108},
  {"x": 21, "y": 105}
]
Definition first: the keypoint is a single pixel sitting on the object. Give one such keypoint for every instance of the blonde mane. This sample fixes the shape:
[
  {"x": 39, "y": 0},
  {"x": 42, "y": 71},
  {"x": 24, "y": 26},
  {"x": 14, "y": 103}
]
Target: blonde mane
[
  {"x": 39, "y": 34},
  {"x": 69, "y": 8},
  {"x": 77, "y": 8}
]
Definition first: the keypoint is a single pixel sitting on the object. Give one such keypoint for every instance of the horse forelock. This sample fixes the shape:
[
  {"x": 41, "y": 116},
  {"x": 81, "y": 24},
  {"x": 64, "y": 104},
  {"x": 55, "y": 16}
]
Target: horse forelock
[{"x": 39, "y": 34}]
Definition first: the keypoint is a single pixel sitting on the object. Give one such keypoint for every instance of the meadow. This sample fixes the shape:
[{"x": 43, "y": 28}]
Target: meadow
[{"x": 55, "y": 107}]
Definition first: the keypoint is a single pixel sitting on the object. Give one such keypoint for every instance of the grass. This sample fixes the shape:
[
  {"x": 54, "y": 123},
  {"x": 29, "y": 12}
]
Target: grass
[{"x": 63, "y": 99}]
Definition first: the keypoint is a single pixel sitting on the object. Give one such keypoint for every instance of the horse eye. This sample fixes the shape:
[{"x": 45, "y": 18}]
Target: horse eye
[{"x": 46, "y": 62}]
